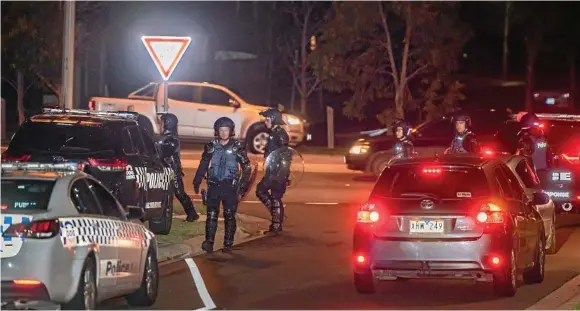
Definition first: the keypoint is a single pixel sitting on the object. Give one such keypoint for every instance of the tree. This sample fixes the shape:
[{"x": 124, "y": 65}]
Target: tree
[
  {"x": 383, "y": 50},
  {"x": 297, "y": 43}
]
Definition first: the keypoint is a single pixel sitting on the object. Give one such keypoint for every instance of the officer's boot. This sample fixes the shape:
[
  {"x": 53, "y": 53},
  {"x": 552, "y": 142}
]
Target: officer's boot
[
  {"x": 210, "y": 230},
  {"x": 264, "y": 197},
  {"x": 277, "y": 214},
  {"x": 188, "y": 206},
  {"x": 230, "y": 229}
]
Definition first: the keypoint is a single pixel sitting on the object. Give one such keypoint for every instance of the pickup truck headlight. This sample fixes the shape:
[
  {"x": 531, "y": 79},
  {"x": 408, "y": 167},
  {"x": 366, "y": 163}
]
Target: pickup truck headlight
[
  {"x": 358, "y": 149},
  {"x": 291, "y": 120}
]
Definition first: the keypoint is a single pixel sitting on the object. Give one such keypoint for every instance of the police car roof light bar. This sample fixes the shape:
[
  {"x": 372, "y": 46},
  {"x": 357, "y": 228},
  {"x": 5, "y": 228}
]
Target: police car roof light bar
[
  {"x": 37, "y": 166},
  {"x": 121, "y": 114},
  {"x": 549, "y": 116}
]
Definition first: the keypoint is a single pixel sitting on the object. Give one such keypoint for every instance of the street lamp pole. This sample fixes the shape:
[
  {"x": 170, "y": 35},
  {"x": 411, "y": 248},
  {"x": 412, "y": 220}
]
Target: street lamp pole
[{"x": 68, "y": 55}]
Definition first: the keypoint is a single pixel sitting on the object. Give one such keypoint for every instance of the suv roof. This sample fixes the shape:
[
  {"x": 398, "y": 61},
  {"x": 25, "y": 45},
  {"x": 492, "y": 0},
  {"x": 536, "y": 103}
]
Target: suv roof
[
  {"x": 84, "y": 117},
  {"x": 458, "y": 160}
]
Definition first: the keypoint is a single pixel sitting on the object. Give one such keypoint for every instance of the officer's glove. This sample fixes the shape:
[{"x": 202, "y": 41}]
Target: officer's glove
[{"x": 196, "y": 187}]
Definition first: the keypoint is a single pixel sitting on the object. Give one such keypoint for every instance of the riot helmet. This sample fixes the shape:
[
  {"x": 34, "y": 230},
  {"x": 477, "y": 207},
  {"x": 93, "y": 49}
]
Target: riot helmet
[
  {"x": 400, "y": 124},
  {"x": 529, "y": 120},
  {"x": 274, "y": 115},
  {"x": 461, "y": 117},
  {"x": 169, "y": 121},
  {"x": 224, "y": 122}
]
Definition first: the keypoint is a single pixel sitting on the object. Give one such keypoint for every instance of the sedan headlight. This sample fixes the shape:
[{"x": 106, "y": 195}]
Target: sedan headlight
[
  {"x": 291, "y": 120},
  {"x": 358, "y": 149}
]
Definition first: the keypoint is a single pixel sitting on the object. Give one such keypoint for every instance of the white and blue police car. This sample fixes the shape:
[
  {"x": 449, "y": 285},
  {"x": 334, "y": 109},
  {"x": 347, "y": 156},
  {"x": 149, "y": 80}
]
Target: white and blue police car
[{"x": 67, "y": 241}]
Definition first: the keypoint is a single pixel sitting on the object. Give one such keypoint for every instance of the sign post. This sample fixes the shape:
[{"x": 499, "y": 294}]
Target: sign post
[
  {"x": 166, "y": 53},
  {"x": 330, "y": 127}
]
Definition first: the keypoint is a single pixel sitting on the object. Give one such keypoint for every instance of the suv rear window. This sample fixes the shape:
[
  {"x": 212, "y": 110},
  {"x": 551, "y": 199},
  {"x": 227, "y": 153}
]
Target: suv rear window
[
  {"x": 444, "y": 183},
  {"x": 26, "y": 194},
  {"x": 73, "y": 139}
]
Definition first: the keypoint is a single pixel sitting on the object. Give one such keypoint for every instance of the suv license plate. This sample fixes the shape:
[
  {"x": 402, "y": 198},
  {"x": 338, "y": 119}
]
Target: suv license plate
[{"x": 426, "y": 226}]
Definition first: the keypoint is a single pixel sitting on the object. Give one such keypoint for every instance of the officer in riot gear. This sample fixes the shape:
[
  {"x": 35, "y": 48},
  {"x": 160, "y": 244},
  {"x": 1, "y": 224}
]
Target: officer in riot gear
[
  {"x": 533, "y": 144},
  {"x": 270, "y": 190},
  {"x": 403, "y": 147},
  {"x": 169, "y": 149},
  {"x": 219, "y": 161},
  {"x": 464, "y": 140}
]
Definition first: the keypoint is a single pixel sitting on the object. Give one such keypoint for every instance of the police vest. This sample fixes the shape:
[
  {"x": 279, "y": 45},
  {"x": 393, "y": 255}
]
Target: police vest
[
  {"x": 457, "y": 144},
  {"x": 224, "y": 163}
]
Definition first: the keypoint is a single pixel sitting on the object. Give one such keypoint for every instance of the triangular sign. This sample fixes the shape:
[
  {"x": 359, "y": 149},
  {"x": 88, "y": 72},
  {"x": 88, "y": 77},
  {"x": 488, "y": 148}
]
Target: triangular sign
[{"x": 166, "y": 52}]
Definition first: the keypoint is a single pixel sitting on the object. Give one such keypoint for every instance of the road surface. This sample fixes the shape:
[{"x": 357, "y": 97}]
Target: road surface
[{"x": 309, "y": 266}]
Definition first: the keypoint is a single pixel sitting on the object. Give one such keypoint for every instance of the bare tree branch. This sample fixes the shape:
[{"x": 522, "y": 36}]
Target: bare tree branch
[
  {"x": 389, "y": 46},
  {"x": 10, "y": 82},
  {"x": 416, "y": 72},
  {"x": 313, "y": 87}
]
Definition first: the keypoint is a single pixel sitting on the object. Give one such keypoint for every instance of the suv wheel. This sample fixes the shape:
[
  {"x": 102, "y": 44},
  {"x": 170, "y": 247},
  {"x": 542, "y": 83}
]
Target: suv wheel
[
  {"x": 536, "y": 274},
  {"x": 505, "y": 283},
  {"x": 257, "y": 139},
  {"x": 365, "y": 283},
  {"x": 162, "y": 224}
]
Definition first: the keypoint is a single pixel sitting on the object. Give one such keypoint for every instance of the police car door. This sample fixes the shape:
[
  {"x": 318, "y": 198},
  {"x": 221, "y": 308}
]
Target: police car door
[
  {"x": 91, "y": 227},
  {"x": 137, "y": 163},
  {"x": 160, "y": 176},
  {"x": 126, "y": 267}
]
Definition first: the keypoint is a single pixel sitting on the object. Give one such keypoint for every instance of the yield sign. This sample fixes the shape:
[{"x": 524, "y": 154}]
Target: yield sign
[{"x": 166, "y": 52}]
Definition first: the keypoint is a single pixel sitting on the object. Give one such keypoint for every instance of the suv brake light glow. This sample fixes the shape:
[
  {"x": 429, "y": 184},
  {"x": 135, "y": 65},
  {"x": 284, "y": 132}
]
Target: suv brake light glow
[
  {"x": 367, "y": 214},
  {"x": 491, "y": 214},
  {"x": 431, "y": 171},
  {"x": 572, "y": 159},
  {"x": 42, "y": 229},
  {"x": 22, "y": 158},
  {"x": 111, "y": 165}
]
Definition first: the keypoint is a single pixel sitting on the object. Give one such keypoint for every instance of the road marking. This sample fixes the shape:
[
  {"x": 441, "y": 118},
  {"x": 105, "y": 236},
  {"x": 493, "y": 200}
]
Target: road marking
[
  {"x": 321, "y": 203},
  {"x": 201, "y": 289}
]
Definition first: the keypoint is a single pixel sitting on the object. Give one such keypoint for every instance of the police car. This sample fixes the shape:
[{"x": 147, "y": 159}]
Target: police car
[
  {"x": 562, "y": 183},
  {"x": 116, "y": 150},
  {"x": 68, "y": 241}
]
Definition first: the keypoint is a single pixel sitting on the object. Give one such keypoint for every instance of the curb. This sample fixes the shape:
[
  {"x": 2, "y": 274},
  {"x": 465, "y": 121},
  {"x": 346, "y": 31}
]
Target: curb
[
  {"x": 564, "y": 298},
  {"x": 192, "y": 247}
]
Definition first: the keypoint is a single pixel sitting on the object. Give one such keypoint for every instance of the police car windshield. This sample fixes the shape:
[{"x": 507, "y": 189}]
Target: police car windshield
[
  {"x": 51, "y": 137},
  {"x": 438, "y": 183},
  {"x": 23, "y": 195}
]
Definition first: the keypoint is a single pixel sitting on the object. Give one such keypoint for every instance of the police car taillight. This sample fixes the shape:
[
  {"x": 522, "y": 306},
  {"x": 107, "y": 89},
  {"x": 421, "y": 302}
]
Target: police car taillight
[
  {"x": 21, "y": 158},
  {"x": 92, "y": 105},
  {"x": 110, "y": 165},
  {"x": 42, "y": 229}
]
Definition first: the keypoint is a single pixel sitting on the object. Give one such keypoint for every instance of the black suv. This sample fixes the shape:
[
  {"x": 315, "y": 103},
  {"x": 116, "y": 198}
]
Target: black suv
[
  {"x": 371, "y": 154},
  {"x": 563, "y": 134},
  {"x": 113, "y": 147}
]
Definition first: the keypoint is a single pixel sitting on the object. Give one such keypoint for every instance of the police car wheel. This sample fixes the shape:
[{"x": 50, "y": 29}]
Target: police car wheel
[
  {"x": 86, "y": 296},
  {"x": 162, "y": 225},
  {"x": 146, "y": 295}
]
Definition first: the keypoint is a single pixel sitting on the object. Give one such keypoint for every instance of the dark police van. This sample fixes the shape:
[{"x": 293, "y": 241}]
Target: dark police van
[
  {"x": 371, "y": 153},
  {"x": 112, "y": 147}
]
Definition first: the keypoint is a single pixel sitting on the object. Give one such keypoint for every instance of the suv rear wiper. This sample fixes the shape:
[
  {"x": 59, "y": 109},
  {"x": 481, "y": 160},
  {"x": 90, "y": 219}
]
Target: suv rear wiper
[{"x": 420, "y": 195}]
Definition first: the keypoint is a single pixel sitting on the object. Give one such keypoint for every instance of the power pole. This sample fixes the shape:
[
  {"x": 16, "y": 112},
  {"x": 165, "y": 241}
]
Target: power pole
[{"x": 68, "y": 55}]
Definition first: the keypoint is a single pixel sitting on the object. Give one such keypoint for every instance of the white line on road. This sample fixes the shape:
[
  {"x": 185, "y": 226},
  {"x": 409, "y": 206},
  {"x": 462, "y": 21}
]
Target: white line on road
[
  {"x": 321, "y": 203},
  {"x": 202, "y": 290}
]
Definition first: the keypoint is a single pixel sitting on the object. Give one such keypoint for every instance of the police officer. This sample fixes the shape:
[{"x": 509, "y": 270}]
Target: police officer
[
  {"x": 271, "y": 190},
  {"x": 403, "y": 147},
  {"x": 169, "y": 146},
  {"x": 222, "y": 155},
  {"x": 533, "y": 144},
  {"x": 464, "y": 140}
]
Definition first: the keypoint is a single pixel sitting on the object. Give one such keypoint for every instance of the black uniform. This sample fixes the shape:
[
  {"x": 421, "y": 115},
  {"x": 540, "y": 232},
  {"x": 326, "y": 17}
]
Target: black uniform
[
  {"x": 220, "y": 163},
  {"x": 403, "y": 147},
  {"x": 270, "y": 190},
  {"x": 534, "y": 145},
  {"x": 464, "y": 142},
  {"x": 169, "y": 149}
]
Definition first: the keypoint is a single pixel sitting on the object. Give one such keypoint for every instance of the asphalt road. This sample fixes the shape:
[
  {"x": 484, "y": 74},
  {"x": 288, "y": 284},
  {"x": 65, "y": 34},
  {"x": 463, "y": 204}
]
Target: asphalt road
[{"x": 309, "y": 266}]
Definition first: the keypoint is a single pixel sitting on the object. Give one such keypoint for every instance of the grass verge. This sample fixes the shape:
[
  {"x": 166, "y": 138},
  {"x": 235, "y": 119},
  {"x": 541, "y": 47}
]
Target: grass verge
[
  {"x": 178, "y": 209},
  {"x": 576, "y": 307},
  {"x": 181, "y": 231}
]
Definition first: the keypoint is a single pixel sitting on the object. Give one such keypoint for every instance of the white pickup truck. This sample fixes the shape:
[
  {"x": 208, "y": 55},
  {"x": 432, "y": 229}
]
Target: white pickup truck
[{"x": 197, "y": 105}]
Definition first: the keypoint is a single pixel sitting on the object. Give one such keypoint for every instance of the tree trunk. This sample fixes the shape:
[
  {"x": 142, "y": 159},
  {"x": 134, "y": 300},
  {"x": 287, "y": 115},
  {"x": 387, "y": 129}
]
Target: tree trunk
[
  {"x": 506, "y": 32},
  {"x": 270, "y": 60},
  {"x": 20, "y": 96},
  {"x": 303, "y": 67},
  {"x": 399, "y": 105},
  {"x": 102, "y": 63}
]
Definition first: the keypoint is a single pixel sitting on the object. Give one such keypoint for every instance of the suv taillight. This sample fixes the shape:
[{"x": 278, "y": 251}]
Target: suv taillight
[
  {"x": 110, "y": 165},
  {"x": 22, "y": 158},
  {"x": 491, "y": 216},
  {"x": 368, "y": 213},
  {"x": 42, "y": 229}
]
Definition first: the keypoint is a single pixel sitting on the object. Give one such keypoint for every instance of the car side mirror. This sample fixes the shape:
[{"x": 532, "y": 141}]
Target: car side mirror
[
  {"x": 235, "y": 103},
  {"x": 541, "y": 198},
  {"x": 135, "y": 212}
]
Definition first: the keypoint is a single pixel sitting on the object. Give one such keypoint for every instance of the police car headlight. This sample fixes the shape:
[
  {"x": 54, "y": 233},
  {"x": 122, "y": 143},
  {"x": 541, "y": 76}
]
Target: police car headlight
[
  {"x": 358, "y": 149},
  {"x": 291, "y": 120}
]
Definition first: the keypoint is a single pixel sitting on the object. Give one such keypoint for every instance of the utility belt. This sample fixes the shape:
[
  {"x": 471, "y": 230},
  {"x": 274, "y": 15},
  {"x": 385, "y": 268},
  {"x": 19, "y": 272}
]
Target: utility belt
[{"x": 224, "y": 182}]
